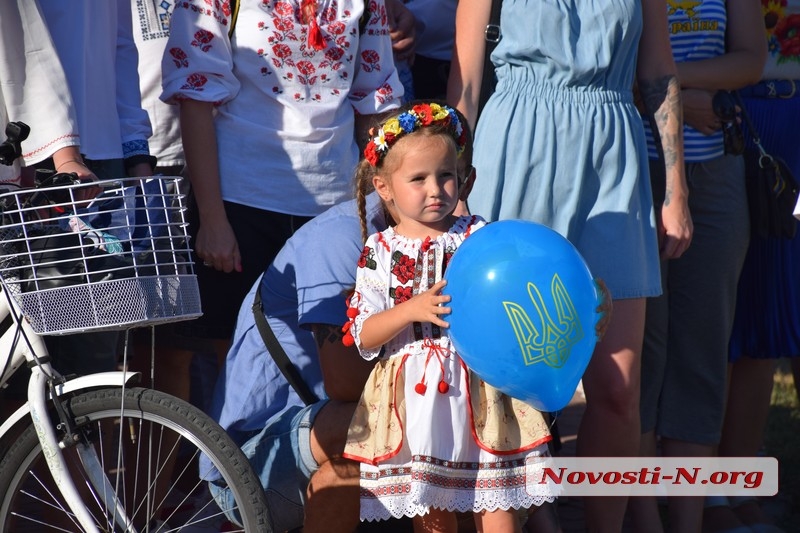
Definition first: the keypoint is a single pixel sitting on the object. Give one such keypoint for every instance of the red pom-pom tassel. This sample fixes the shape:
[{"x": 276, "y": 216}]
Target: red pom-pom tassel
[
  {"x": 443, "y": 387},
  {"x": 352, "y": 312},
  {"x": 420, "y": 388},
  {"x": 348, "y": 339}
]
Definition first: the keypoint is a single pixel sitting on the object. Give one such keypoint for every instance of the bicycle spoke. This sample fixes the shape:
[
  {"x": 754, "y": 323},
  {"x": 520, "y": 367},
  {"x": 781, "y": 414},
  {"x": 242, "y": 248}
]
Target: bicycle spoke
[{"x": 148, "y": 478}]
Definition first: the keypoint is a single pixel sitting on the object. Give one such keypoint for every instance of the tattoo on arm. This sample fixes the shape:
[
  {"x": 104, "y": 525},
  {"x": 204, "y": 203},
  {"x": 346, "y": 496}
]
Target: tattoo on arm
[
  {"x": 662, "y": 100},
  {"x": 327, "y": 333}
]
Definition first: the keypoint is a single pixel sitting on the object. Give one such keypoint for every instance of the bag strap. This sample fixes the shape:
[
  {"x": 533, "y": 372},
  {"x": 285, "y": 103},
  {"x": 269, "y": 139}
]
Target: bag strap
[
  {"x": 749, "y": 124},
  {"x": 287, "y": 368},
  {"x": 492, "y": 35},
  {"x": 234, "y": 16}
]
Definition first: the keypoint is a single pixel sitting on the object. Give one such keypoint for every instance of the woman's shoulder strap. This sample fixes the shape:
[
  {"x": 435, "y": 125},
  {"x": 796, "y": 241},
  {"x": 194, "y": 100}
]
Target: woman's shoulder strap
[{"x": 234, "y": 16}]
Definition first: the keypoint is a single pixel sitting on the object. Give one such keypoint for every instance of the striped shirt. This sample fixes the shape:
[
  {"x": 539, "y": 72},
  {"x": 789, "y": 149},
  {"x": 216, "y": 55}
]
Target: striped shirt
[{"x": 697, "y": 31}]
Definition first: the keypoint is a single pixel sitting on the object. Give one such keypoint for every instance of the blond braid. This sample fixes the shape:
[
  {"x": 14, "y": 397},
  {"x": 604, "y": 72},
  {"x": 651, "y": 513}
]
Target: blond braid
[{"x": 364, "y": 174}]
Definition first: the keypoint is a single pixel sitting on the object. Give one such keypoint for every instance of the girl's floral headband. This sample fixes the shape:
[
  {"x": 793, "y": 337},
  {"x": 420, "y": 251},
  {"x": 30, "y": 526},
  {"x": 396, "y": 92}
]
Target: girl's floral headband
[{"x": 419, "y": 116}]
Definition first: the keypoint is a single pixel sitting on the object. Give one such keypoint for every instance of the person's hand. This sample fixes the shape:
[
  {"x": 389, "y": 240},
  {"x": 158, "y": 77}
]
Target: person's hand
[
  {"x": 402, "y": 28},
  {"x": 698, "y": 111},
  {"x": 605, "y": 308},
  {"x": 427, "y": 306},
  {"x": 465, "y": 187},
  {"x": 75, "y": 165},
  {"x": 216, "y": 245},
  {"x": 675, "y": 229}
]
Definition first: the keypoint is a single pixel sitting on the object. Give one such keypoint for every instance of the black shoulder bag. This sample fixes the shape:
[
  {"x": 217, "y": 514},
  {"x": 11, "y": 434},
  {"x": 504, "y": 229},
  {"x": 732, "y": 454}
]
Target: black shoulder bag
[
  {"x": 287, "y": 368},
  {"x": 772, "y": 190}
]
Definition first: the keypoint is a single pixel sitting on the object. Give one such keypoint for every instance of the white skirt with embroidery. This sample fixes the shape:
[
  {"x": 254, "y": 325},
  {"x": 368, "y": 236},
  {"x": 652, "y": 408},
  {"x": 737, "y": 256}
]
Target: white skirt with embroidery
[
  {"x": 429, "y": 434},
  {"x": 412, "y": 486}
]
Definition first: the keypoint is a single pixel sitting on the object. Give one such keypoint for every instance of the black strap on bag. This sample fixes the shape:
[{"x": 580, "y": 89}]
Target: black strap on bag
[
  {"x": 287, "y": 368},
  {"x": 772, "y": 190},
  {"x": 234, "y": 16},
  {"x": 492, "y": 35}
]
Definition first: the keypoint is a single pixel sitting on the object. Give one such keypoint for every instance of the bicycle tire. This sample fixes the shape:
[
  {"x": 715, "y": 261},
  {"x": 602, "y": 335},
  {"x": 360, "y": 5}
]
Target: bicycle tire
[{"x": 157, "y": 427}]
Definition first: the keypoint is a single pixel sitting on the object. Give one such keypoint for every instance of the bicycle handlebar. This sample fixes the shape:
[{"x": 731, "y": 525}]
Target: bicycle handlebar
[{"x": 11, "y": 148}]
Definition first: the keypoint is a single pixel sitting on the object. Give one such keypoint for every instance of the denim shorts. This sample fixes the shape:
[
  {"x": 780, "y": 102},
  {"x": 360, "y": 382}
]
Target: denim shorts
[{"x": 280, "y": 455}]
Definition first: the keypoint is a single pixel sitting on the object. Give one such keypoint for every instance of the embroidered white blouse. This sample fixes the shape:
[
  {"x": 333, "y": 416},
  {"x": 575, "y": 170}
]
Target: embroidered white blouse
[
  {"x": 95, "y": 44},
  {"x": 33, "y": 89},
  {"x": 286, "y": 110}
]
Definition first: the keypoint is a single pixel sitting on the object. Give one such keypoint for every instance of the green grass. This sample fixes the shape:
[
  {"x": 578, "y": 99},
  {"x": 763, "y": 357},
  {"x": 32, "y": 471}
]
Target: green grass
[{"x": 782, "y": 440}]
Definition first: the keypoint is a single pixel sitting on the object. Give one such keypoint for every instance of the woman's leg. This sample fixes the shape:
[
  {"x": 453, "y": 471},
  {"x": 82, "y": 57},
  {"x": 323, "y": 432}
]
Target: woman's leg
[
  {"x": 611, "y": 426},
  {"x": 643, "y": 510},
  {"x": 749, "y": 392}
]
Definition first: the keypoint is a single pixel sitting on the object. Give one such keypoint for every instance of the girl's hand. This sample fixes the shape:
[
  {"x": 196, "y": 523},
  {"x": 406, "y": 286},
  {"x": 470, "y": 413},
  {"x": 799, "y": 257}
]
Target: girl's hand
[
  {"x": 605, "y": 308},
  {"x": 217, "y": 246},
  {"x": 427, "y": 306}
]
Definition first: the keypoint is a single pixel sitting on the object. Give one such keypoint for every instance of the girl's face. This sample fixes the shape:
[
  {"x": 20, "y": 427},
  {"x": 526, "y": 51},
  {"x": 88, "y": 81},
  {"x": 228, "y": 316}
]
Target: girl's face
[{"x": 422, "y": 184}]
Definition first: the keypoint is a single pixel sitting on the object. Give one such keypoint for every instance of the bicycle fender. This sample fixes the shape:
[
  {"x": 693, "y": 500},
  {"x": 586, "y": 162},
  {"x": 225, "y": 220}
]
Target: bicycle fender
[{"x": 92, "y": 381}]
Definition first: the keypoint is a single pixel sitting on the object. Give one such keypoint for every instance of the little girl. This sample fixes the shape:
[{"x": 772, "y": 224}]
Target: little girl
[{"x": 432, "y": 437}]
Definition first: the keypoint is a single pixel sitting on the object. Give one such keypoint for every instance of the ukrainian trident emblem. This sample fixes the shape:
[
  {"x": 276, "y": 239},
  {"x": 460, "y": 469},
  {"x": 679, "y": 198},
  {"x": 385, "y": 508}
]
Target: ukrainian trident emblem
[{"x": 550, "y": 334}]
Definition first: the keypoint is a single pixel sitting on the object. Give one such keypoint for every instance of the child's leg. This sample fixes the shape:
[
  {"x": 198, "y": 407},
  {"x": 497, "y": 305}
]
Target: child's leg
[
  {"x": 498, "y": 521},
  {"x": 436, "y": 521}
]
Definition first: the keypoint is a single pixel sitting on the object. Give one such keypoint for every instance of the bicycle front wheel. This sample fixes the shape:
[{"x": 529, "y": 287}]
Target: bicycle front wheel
[{"x": 148, "y": 444}]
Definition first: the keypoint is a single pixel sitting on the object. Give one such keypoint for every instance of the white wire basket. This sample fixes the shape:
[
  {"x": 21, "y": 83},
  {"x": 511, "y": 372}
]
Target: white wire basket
[{"x": 119, "y": 260}]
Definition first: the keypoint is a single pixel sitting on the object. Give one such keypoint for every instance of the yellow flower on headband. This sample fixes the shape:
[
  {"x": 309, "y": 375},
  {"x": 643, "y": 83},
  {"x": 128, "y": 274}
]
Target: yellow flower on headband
[
  {"x": 439, "y": 113},
  {"x": 392, "y": 126}
]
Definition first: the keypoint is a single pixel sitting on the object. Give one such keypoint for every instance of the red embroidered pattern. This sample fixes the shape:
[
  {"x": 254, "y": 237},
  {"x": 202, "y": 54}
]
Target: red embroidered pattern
[
  {"x": 28, "y": 155},
  {"x": 296, "y": 56}
]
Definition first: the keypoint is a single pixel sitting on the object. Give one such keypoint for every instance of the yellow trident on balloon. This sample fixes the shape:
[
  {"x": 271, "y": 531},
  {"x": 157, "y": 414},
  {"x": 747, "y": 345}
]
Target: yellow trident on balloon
[{"x": 544, "y": 339}]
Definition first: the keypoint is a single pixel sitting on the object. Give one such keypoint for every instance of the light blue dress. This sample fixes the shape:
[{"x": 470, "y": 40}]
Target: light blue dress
[{"x": 561, "y": 143}]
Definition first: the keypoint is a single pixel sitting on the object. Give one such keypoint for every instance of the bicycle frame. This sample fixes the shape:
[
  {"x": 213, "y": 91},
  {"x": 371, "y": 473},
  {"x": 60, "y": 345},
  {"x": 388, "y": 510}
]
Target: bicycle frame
[{"x": 24, "y": 345}]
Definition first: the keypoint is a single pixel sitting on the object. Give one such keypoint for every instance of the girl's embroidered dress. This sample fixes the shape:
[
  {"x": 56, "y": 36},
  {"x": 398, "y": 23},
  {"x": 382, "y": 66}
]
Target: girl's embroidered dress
[{"x": 428, "y": 432}]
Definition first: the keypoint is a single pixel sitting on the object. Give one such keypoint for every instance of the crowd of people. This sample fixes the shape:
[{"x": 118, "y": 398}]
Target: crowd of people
[{"x": 315, "y": 181}]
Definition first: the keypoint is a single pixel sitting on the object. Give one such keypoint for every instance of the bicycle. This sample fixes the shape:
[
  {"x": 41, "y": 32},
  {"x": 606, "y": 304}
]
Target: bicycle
[{"x": 91, "y": 453}]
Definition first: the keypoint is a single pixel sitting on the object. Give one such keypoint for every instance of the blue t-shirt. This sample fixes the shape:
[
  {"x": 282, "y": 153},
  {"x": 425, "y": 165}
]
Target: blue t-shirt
[
  {"x": 696, "y": 32},
  {"x": 304, "y": 285}
]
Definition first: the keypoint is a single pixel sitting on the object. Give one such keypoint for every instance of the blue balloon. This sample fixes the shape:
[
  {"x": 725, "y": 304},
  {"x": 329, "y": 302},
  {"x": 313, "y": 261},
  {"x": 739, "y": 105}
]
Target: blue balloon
[{"x": 523, "y": 311}]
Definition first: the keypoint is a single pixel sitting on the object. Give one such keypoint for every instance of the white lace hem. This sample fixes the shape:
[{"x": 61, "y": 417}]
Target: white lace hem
[
  {"x": 373, "y": 509},
  {"x": 416, "y": 488}
]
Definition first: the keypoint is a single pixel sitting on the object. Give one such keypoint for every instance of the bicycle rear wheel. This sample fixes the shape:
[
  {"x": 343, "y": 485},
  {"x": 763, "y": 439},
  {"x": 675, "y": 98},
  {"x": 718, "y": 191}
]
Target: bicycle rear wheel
[{"x": 148, "y": 444}]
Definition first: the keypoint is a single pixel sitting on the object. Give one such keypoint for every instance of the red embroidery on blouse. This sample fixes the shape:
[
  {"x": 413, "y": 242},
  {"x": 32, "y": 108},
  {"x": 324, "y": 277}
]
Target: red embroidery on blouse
[
  {"x": 426, "y": 244},
  {"x": 179, "y": 57},
  {"x": 383, "y": 242},
  {"x": 371, "y": 60},
  {"x": 202, "y": 40},
  {"x": 472, "y": 221},
  {"x": 195, "y": 82},
  {"x": 32, "y": 153}
]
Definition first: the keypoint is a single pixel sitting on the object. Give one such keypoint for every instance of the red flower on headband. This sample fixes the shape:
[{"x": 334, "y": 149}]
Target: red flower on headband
[
  {"x": 371, "y": 154},
  {"x": 425, "y": 114}
]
